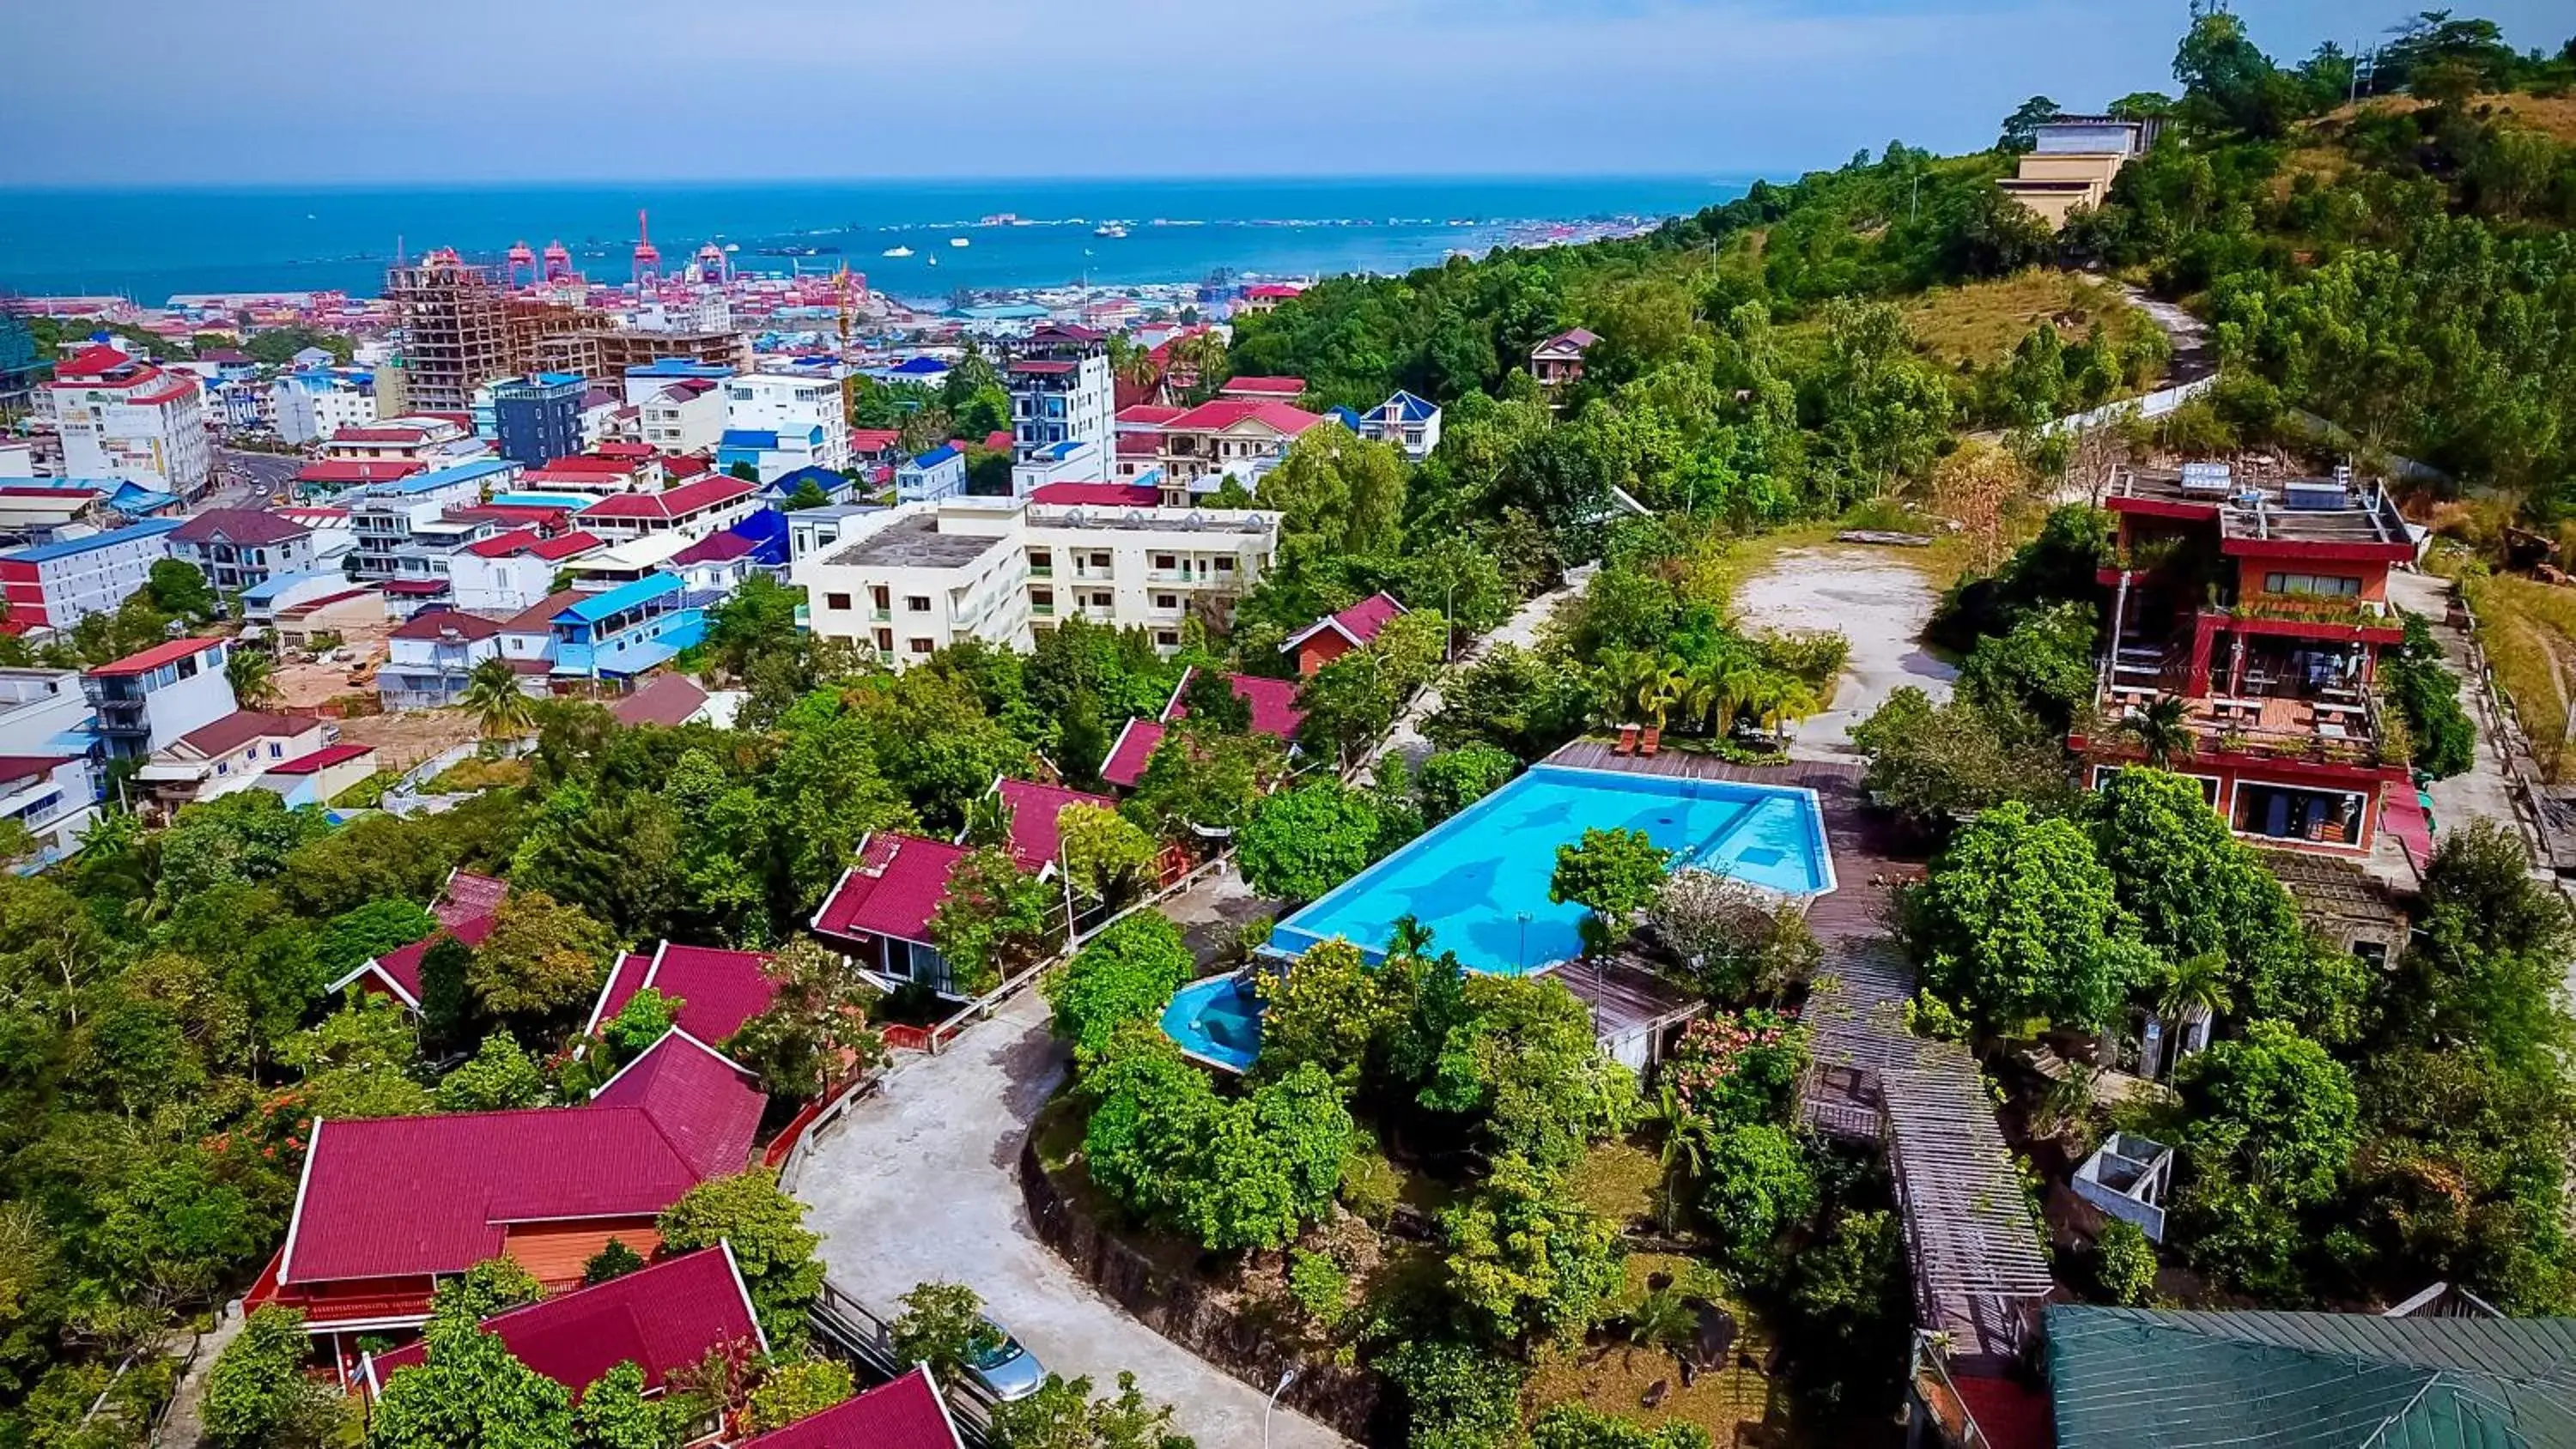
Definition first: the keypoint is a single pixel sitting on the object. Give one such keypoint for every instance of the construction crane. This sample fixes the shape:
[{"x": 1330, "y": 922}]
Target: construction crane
[{"x": 849, "y": 375}]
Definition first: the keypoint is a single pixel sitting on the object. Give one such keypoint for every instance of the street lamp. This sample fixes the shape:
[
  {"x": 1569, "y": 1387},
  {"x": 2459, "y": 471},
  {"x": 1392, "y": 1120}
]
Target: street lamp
[
  {"x": 1523, "y": 958},
  {"x": 1287, "y": 1376}
]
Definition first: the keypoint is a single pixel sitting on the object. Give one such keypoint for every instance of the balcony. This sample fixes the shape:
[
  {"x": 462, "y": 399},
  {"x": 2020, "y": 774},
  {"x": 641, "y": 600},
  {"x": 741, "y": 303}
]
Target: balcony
[{"x": 2266, "y": 718}]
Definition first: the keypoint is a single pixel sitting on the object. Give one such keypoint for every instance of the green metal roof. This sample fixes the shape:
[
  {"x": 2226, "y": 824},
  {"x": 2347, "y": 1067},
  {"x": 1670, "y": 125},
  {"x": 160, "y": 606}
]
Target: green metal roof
[{"x": 2141, "y": 1378}]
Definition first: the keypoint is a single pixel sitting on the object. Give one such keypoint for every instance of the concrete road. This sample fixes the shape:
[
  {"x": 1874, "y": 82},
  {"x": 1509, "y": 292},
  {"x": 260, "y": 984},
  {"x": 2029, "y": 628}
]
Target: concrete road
[
  {"x": 1877, "y": 601},
  {"x": 2486, "y": 790},
  {"x": 248, "y": 480},
  {"x": 921, "y": 1183}
]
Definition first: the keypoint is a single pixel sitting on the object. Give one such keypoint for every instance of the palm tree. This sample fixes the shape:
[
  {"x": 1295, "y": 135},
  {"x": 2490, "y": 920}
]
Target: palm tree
[
  {"x": 1662, "y": 1320},
  {"x": 2162, "y": 729},
  {"x": 492, "y": 693},
  {"x": 1626, "y": 673},
  {"x": 1679, "y": 1160},
  {"x": 253, "y": 676},
  {"x": 2198, "y": 986},
  {"x": 1664, "y": 685}
]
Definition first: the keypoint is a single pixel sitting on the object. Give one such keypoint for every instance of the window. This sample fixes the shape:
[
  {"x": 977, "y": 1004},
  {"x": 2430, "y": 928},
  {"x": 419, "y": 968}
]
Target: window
[
  {"x": 1166, "y": 561},
  {"x": 276, "y": 751},
  {"x": 836, "y": 601},
  {"x": 2333, "y": 586},
  {"x": 918, "y": 646},
  {"x": 1167, "y": 601},
  {"x": 1225, "y": 566},
  {"x": 1041, "y": 561},
  {"x": 1100, "y": 560},
  {"x": 1166, "y": 639},
  {"x": 1041, "y": 598},
  {"x": 1102, "y": 601},
  {"x": 916, "y": 603},
  {"x": 885, "y": 641}
]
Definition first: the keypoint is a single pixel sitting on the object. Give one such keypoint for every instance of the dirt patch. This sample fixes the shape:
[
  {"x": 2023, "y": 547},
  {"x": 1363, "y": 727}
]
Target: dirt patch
[
  {"x": 1982, "y": 322},
  {"x": 404, "y": 740},
  {"x": 1874, "y": 598},
  {"x": 1737, "y": 1404}
]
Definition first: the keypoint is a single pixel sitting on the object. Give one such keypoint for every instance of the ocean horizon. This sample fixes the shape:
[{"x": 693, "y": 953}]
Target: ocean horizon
[{"x": 151, "y": 243}]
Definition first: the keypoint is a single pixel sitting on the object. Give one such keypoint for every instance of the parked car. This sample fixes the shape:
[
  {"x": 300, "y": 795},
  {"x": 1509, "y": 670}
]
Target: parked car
[{"x": 1009, "y": 1371}]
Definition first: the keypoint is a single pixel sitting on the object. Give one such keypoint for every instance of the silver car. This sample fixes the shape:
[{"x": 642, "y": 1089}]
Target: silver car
[{"x": 1008, "y": 1371}]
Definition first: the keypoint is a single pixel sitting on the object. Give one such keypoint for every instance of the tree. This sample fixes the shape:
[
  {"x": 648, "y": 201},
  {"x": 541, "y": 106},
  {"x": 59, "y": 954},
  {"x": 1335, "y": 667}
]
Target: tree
[
  {"x": 747, "y": 472},
  {"x": 2492, "y": 950},
  {"x": 1456, "y": 1395},
  {"x": 798, "y": 1390},
  {"x": 1064, "y": 1415},
  {"x": 615, "y": 1414},
  {"x": 1510, "y": 697},
  {"x": 808, "y": 494},
  {"x": 176, "y": 586},
  {"x": 2125, "y": 1261},
  {"x": 2163, "y": 730},
  {"x": 943, "y": 1325},
  {"x": 2019, "y": 921},
  {"x": 995, "y": 920},
  {"x": 495, "y": 1285},
  {"x": 1209, "y": 701},
  {"x": 1347, "y": 704},
  {"x": 1107, "y": 858},
  {"x": 1526, "y": 1261},
  {"x": 1325, "y": 1009},
  {"x": 646, "y": 1018},
  {"x": 1203, "y": 782},
  {"x": 468, "y": 1392},
  {"x": 252, "y": 675},
  {"x": 378, "y": 928},
  {"x": 815, "y": 1030},
  {"x": 1612, "y": 873},
  {"x": 1267, "y": 1165},
  {"x": 2273, "y": 1107},
  {"x": 764, "y": 1227},
  {"x": 500, "y": 1076},
  {"x": 447, "y": 1008},
  {"x": 492, "y": 696},
  {"x": 2021, "y": 128},
  {"x": 541, "y": 963},
  {"x": 1124, "y": 974},
  {"x": 1341, "y": 492},
  {"x": 1756, "y": 1185},
  {"x": 615, "y": 1260},
  {"x": 258, "y": 1395},
  {"x": 1452, "y": 780},
  {"x": 1520, "y": 1054},
  {"x": 1735, "y": 940},
  {"x": 1572, "y": 1426},
  {"x": 1303, "y": 842}
]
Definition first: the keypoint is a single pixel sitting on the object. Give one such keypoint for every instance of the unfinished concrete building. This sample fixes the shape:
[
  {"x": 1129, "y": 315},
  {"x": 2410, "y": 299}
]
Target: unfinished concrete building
[{"x": 456, "y": 334}]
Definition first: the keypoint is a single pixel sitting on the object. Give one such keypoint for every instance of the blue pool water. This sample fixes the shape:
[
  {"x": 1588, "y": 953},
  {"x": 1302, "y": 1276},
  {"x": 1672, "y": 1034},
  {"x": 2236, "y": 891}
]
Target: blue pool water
[
  {"x": 1218, "y": 1019},
  {"x": 1479, "y": 880}
]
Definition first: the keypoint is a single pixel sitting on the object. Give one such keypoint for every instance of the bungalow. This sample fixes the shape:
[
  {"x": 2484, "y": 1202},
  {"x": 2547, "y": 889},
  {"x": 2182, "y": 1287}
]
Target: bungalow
[
  {"x": 320, "y": 777},
  {"x": 939, "y": 473},
  {"x": 665, "y": 699},
  {"x": 237, "y": 548},
  {"x": 1559, "y": 360},
  {"x": 388, "y": 1207},
  {"x": 1334, "y": 635},
  {"x": 881, "y": 907},
  {"x": 226, "y": 755},
  {"x": 464, "y": 909},
  {"x": 664, "y": 1319},
  {"x": 1213, "y": 436},
  {"x": 1274, "y": 713},
  {"x": 718, "y": 990},
  {"x": 1407, "y": 421},
  {"x": 692, "y": 510},
  {"x": 1032, "y": 810},
  {"x": 719, "y": 561},
  {"x": 905, "y": 1414}
]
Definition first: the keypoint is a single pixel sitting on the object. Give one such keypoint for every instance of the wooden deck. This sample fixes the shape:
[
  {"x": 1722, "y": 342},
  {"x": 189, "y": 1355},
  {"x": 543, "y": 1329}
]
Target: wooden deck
[{"x": 1977, "y": 1259}]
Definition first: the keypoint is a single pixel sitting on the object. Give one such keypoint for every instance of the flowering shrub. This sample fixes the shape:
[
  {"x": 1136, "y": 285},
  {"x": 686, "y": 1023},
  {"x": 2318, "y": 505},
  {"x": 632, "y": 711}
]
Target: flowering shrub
[{"x": 1736, "y": 1069}]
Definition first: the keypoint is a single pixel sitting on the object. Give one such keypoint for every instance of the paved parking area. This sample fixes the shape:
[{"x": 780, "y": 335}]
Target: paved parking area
[
  {"x": 1880, "y": 603},
  {"x": 921, "y": 1183}
]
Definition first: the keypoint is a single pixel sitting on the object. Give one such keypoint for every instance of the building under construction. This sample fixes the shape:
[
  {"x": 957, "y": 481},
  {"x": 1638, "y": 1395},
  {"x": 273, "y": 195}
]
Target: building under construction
[
  {"x": 603, "y": 354},
  {"x": 456, "y": 333}
]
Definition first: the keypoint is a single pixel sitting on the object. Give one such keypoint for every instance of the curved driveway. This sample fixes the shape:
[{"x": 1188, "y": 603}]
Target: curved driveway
[{"x": 920, "y": 1183}]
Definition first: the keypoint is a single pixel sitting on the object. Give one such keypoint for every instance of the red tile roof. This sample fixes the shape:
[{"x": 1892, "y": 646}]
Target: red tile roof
[
  {"x": 998, "y": 440},
  {"x": 1034, "y": 809},
  {"x": 420, "y": 588},
  {"x": 1148, "y": 415},
  {"x": 97, "y": 360},
  {"x": 673, "y": 502},
  {"x": 718, "y": 547},
  {"x": 1127, "y": 758},
  {"x": 146, "y": 660},
  {"x": 665, "y": 699},
  {"x": 1279, "y": 291},
  {"x": 1283, "y": 389},
  {"x": 321, "y": 759},
  {"x": 403, "y": 1196},
  {"x": 905, "y": 1414},
  {"x": 17, "y": 769},
  {"x": 400, "y": 968},
  {"x": 660, "y": 1318},
  {"x": 1225, "y": 412},
  {"x": 230, "y": 733},
  {"x": 439, "y": 623},
  {"x": 624, "y": 450},
  {"x": 1100, "y": 495},
  {"x": 467, "y": 895},
  {"x": 874, "y": 440},
  {"x": 1274, "y": 704},
  {"x": 1043, "y": 366},
  {"x": 718, "y": 990},
  {"x": 898, "y": 882},
  {"x": 239, "y": 525},
  {"x": 1359, "y": 623}
]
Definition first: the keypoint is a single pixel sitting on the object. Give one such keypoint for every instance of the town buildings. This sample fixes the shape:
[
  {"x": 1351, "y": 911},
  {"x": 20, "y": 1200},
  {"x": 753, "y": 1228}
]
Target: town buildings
[
  {"x": 46, "y": 783},
  {"x": 508, "y": 572},
  {"x": 1404, "y": 420},
  {"x": 914, "y": 579},
  {"x": 402, "y": 530},
  {"x": 225, "y": 755},
  {"x": 56, "y": 585},
  {"x": 2262, "y": 604},
  {"x": 2072, "y": 161},
  {"x": 680, "y": 405},
  {"x": 939, "y": 473},
  {"x": 538, "y": 418},
  {"x": 1215, "y": 437},
  {"x": 1062, "y": 392},
  {"x": 881, "y": 908},
  {"x": 240, "y": 548},
  {"x": 686, "y": 510},
  {"x": 150, "y": 698},
  {"x": 120, "y": 418},
  {"x": 778, "y": 423},
  {"x": 308, "y": 407},
  {"x": 430, "y": 655}
]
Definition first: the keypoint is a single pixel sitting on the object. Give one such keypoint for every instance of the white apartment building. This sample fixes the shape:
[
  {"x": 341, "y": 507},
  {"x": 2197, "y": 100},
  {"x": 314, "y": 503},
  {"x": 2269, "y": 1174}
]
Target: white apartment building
[
  {"x": 678, "y": 415},
  {"x": 313, "y": 406},
  {"x": 45, "y": 779},
  {"x": 911, "y": 580},
  {"x": 778, "y": 424},
  {"x": 1062, "y": 392},
  {"x": 126, "y": 419}
]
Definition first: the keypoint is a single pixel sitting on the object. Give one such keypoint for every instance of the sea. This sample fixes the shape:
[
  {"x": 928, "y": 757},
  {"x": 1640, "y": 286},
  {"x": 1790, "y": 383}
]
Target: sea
[{"x": 149, "y": 245}]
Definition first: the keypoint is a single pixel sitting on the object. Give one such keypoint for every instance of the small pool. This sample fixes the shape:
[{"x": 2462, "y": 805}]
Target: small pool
[
  {"x": 1479, "y": 880},
  {"x": 1217, "y": 1020}
]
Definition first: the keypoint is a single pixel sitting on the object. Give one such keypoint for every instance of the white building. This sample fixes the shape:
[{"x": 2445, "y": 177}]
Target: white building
[
  {"x": 1062, "y": 391},
  {"x": 687, "y": 510},
  {"x": 390, "y": 516},
  {"x": 509, "y": 572},
  {"x": 1406, "y": 421},
  {"x": 778, "y": 424},
  {"x": 914, "y": 579},
  {"x": 939, "y": 473},
  {"x": 45, "y": 742},
  {"x": 150, "y": 698},
  {"x": 312, "y": 406},
  {"x": 126, "y": 419},
  {"x": 226, "y": 755},
  {"x": 680, "y": 405},
  {"x": 56, "y": 585},
  {"x": 432, "y": 442}
]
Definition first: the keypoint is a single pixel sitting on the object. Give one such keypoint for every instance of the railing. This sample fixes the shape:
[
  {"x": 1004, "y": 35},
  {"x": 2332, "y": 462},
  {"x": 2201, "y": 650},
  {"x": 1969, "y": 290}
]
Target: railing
[{"x": 842, "y": 1322}]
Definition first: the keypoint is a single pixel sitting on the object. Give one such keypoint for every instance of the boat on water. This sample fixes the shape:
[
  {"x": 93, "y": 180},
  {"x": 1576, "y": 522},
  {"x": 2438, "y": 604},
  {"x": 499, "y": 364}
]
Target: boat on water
[
  {"x": 1109, "y": 229},
  {"x": 898, "y": 251},
  {"x": 959, "y": 241}
]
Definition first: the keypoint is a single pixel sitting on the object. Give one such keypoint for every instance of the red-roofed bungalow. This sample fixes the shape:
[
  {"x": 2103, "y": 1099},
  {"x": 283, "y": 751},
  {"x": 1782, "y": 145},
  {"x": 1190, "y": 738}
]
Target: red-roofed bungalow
[
  {"x": 464, "y": 909},
  {"x": 881, "y": 907},
  {"x": 1274, "y": 704},
  {"x": 388, "y": 1207},
  {"x": 1334, "y": 635},
  {"x": 1034, "y": 840},
  {"x": 718, "y": 990},
  {"x": 1130, "y": 752},
  {"x": 663, "y": 1318},
  {"x": 908, "y": 1413}
]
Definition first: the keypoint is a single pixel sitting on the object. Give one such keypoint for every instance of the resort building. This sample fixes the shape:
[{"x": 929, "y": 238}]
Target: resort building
[
  {"x": 1273, "y": 703},
  {"x": 1558, "y": 362},
  {"x": 880, "y": 908},
  {"x": 1211, "y": 437},
  {"x": 912, "y": 580},
  {"x": 391, "y": 518},
  {"x": 1404, "y": 420},
  {"x": 56, "y": 585},
  {"x": 307, "y": 407},
  {"x": 2072, "y": 161},
  {"x": 147, "y": 700},
  {"x": 717, "y": 990},
  {"x": 1062, "y": 392},
  {"x": 2262, "y": 604},
  {"x": 1334, "y": 635},
  {"x": 907, "y": 1413},
  {"x": 241, "y": 548},
  {"x": 119, "y": 418},
  {"x": 227, "y": 755}
]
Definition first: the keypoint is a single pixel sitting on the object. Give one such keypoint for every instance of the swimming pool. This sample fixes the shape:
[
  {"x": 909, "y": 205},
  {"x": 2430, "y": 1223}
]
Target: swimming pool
[
  {"x": 1479, "y": 880},
  {"x": 1217, "y": 1020}
]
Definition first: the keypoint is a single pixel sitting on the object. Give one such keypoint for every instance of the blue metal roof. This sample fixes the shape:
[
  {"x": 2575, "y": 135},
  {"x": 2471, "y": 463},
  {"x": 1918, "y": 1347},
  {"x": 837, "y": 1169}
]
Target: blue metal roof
[
  {"x": 623, "y": 597},
  {"x": 542, "y": 500},
  {"x": 270, "y": 588},
  {"x": 761, "y": 438},
  {"x": 1409, "y": 408},
  {"x": 132, "y": 533},
  {"x": 934, "y": 457},
  {"x": 678, "y": 367},
  {"x": 918, "y": 366}
]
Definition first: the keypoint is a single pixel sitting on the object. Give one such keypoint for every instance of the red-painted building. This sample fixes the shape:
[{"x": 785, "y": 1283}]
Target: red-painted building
[
  {"x": 718, "y": 990},
  {"x": 2262, "y": 603},
  {"x": 1334, "y": 635}
]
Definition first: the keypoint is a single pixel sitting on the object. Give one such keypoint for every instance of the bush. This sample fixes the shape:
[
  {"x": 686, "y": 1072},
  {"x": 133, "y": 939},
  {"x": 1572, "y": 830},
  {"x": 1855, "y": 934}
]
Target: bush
[
  {"x": 1303, "y": 842},
  {"x": 794, "y": 1391},
  {"x": 1757, "y": 1184},
  {"x": 1124, "y": 974},
  {"x": 2125, "y": 1261},
  {"x": 1452, "y": 780},
  {"x": 257, "y": 1395},
  {"x": 1320, "y": 1286}
]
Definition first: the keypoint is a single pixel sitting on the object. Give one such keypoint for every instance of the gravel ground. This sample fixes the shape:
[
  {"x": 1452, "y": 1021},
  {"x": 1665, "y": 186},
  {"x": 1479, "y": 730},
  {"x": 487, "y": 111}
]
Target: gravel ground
[{"x": 1878, "y": 601}]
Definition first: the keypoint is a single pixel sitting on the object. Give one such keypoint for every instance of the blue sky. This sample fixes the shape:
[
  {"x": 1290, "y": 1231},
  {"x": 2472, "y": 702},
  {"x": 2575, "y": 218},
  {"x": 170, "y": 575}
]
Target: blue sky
[{"x": 304, "y": 91}]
